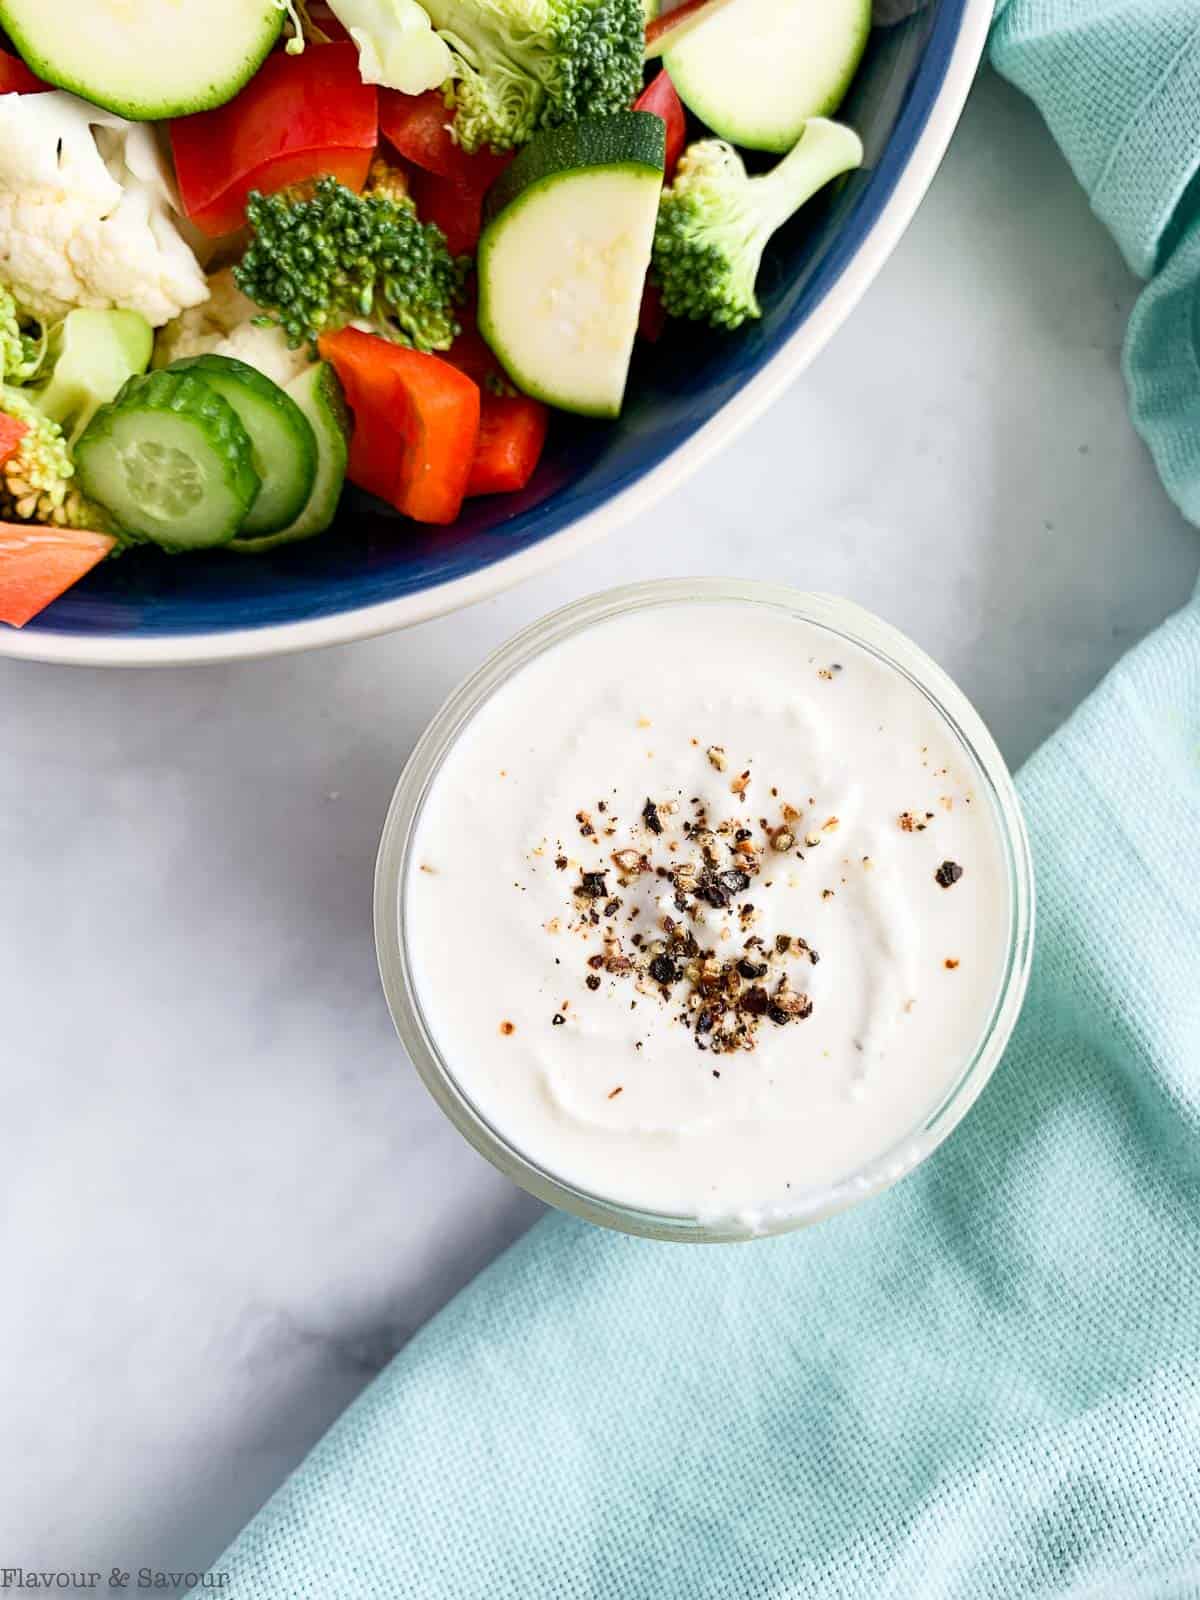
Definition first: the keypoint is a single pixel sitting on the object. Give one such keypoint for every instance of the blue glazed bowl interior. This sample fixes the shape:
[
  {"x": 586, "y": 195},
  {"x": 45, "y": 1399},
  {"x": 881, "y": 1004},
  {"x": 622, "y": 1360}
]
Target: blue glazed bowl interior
[{"x": 372, "y": 555}]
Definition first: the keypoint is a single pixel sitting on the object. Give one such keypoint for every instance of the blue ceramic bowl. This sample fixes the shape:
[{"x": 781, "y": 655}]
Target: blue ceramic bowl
[{"x": 375, "y": 571}]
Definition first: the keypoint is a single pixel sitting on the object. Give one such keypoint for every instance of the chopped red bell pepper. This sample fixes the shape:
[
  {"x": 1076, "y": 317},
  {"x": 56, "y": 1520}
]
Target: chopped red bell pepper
[
  {"x": 12, "y": 431},
  {"x": 416, "y": 423},
  {"x": 660, "y": 97},
  {"x": 652, "y": 315},
  {"x": 16, "y": 78},
  {"x": 472, "y": 354},
  {"x": 512, "y": 431},
  {"x": 299, "y": 117},
  {"x": 456, "y": 209},
  {"x": 418, "y": 125},
  {"x": 38, "y": 564},
  {"x": 512, "y": 428}
]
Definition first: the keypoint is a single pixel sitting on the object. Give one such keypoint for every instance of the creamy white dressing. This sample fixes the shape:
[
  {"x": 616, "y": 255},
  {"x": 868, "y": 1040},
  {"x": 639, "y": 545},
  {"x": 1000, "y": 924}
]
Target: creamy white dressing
[{"x": 850, "y": 792}]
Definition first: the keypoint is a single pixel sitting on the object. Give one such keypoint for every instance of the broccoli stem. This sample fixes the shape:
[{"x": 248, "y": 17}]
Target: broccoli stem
[{"x": 823, "y": 152}]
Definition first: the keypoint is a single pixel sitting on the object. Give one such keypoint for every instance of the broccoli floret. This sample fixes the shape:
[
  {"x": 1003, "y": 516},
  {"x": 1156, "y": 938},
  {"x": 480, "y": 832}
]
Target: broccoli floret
[
  {"x": 715, "y": 220},
  {"x": 523, "y": 65},
  {"x": 35, "y": 482},
  {"x": 323, "y": 259}
]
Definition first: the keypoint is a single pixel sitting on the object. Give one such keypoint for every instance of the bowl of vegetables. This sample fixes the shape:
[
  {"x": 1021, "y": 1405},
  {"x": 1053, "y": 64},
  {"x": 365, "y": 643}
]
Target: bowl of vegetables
[{"x": 319, "y": 320}]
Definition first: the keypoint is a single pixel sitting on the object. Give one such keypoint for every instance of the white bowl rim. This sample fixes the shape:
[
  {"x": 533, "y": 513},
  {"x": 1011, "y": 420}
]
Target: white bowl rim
[{"x": 386, "y": 616}]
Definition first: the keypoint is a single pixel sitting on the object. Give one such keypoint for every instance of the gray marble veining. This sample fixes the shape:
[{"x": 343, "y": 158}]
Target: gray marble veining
[{"x": 225, "y": 1201}]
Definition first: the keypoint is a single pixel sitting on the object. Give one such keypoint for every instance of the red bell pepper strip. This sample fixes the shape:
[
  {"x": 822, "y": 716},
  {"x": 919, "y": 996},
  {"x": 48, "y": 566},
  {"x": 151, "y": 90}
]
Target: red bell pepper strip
[
  {"x": 456, "y": 209},
  {"x": 12, "y": 431},
  {"x": 652, "y": 315},
  {"x": 418, "y": 126},
  {"x": 416, "y": 423},
  {"x": 16, "y": 78},
  {"x": 512, "y": 431},
  {"x": 299, "y": 117},
  {"x": 512, "y": 427},
  {"x": 38, "y": 564},
  {"x": 472, "y": 354},
  {"x": 660, "y": 97}
]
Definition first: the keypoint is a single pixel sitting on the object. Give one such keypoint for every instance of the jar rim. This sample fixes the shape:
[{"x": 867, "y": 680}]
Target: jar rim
[{"x": 846, "y": 620}]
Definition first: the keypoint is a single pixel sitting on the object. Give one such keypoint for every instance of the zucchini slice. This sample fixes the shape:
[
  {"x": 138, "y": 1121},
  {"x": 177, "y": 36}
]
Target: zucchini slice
[
  {"x": 145, "y": 59},
  {"x": 756, "y": 71},
  {"x": 568, "y": 229}
]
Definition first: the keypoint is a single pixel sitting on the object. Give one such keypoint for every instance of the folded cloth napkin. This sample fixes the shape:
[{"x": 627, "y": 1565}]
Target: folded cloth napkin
[
  {"x": 984, "y": 1384},
  {"x": 1118, "y": 81}
]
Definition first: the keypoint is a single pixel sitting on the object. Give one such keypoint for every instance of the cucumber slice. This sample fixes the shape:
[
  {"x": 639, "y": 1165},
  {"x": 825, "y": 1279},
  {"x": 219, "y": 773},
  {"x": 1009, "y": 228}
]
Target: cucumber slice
[
  {"x": 170, "y": 461},
  {"x": 285, "y": 451},
  {"x": 145, "y": 59},
  {"x": 756, "y": 71},
  {"x": 319, "y": 395},
  {"x": 563, "y": 255}
]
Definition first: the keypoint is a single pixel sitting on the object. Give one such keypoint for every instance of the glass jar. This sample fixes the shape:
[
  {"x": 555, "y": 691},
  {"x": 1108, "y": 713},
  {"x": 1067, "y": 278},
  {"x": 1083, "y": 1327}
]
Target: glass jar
[{"x": 842, "y": 620}]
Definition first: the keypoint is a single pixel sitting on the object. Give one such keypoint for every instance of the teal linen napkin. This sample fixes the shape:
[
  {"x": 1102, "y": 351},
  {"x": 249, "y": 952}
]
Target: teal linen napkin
[
  {"x": 1118, "y": 81},
  {"x": 985, "y": 1383}
]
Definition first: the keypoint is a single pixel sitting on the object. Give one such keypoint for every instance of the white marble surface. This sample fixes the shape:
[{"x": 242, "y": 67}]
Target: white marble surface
[{"x": 225, "y": 1200}]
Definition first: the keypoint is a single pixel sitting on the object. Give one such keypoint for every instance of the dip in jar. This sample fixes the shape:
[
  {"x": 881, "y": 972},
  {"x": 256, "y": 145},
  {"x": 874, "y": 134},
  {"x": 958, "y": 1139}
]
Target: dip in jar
[{"x": 705, "y": 908}]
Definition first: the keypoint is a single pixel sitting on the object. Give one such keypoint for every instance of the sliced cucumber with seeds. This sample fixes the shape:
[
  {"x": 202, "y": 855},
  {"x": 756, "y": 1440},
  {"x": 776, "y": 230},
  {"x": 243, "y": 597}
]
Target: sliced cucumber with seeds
[
  {"x": 285, "y": 451},
  {"x": 145, "y": 59},
  {"x": 319, "y": 395},
  {"x": 563, "y": 255},
  {"x": 170, "y": 461}
]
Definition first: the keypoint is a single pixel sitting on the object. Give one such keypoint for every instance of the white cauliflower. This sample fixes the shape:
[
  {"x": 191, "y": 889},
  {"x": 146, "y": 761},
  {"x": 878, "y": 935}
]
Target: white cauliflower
[
  {"x": 224, "y": 325},
  {"x": 397, "y": 45},
  {"x": 86, "y": 208}
]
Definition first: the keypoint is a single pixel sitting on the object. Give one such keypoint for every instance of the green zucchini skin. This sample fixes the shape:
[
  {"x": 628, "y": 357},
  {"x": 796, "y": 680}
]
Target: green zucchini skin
[
  {"x": 563, "y": 256},
  {"x": 637, "y": 138},
  {"x": 758, "y": 70},
  {"x": 174, "y": 60}
]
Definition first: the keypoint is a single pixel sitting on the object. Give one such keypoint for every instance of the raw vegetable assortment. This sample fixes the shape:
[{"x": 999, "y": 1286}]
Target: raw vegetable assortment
[{"x": 252, "y": 249}]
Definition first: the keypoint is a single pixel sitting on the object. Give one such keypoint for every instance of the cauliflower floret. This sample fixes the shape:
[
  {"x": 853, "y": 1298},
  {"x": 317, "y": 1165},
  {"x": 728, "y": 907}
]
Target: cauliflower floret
[
  {"x": 224, "y": 325},
  {"x": 397, "y": 45},
  {"x": 85, "y": 213},
  {"x": 267, "y": 349}
]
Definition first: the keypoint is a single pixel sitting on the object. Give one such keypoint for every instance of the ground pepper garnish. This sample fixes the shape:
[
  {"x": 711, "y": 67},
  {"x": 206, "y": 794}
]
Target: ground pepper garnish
[
  {"x": 696, "y": 874},
  {"x": 948, "y": 874}
]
